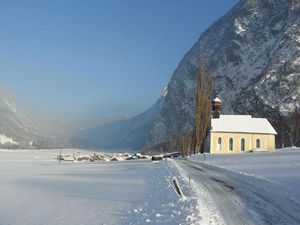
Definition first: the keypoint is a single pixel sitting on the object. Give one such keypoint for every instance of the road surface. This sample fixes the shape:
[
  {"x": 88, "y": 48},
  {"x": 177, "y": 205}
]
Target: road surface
[{"x": 238, "y": 201}]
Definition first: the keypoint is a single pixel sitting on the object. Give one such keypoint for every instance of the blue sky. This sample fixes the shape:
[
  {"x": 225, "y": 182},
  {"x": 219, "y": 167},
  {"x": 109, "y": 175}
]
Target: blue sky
[{"x": 96, "y": 58}]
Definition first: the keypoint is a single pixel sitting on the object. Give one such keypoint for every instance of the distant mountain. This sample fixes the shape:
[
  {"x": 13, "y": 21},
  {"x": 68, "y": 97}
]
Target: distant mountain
[
  {"x": 16, "y": 130},
  {"x": 253, "y": 53},
  {"x": 126, "y": 134}
]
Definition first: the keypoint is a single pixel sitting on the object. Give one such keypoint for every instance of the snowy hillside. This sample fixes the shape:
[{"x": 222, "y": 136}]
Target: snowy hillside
[
  {"x": 6, "y": 140},
  {"x": 16, "y": 130}
]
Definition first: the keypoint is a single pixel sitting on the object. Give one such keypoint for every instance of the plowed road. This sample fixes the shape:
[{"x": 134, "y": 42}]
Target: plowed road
[{"x": 238, "y": 201}]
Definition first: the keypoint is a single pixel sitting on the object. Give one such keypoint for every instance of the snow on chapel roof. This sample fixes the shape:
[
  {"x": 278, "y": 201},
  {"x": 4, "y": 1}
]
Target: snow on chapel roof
[
  {"x": 217, "y": 100},
  {"x": 242, "y": 124}
]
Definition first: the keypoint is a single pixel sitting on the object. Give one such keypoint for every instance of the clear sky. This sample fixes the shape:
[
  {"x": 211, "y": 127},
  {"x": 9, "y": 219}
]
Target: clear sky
[{"x": 97, "y": 57}]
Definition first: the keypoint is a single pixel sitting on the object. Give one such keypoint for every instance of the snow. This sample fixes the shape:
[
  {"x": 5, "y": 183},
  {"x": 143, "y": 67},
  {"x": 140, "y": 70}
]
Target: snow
[
  {"x": 205, "y": 202},
  {"x": 239, "y": 27},
  {"x": 6, "y": 140},
  {"x": 217, "y": 100},
  {"x": 248, "y": 188},
  {"x": 281, "y": 166},
  {"x": 297, "y": 61},
  {"x": 164, "y": 92},
  {"x": 242, "y": 123},
  {"x": 36, "y": 189},
  {"x": 101, "y": 157}
]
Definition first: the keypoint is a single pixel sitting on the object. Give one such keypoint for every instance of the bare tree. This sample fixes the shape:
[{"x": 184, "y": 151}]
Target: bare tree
[
  {"x": 292, "y": 127},
  {"x": 186, "y": 141},
  {"x": 202, "y": 108}
]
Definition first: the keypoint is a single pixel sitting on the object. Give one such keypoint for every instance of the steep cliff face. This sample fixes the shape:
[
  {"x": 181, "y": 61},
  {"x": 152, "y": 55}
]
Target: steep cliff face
[{"x": 253, "y": 53}]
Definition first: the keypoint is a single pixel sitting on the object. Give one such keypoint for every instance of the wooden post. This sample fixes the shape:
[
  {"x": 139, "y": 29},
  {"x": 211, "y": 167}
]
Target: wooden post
[
  {"x": 177, "y": 188},
  {"x": 60, "y": 156}
]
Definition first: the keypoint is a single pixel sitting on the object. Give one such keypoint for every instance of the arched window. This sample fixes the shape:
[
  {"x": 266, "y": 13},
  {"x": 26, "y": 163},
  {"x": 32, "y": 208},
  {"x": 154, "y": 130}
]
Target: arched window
[
  {"x": 242, "y": 144},
  {"x": 219, "y": 144},
  {"x": 230, "y": 144},
  {"x": 257, "y": 143}
]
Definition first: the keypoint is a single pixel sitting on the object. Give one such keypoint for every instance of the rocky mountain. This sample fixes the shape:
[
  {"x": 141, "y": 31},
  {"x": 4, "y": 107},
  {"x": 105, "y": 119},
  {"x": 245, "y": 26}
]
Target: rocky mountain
[
  {"x": 253, "y": 53},
  {"x": 16, "y": 130}
]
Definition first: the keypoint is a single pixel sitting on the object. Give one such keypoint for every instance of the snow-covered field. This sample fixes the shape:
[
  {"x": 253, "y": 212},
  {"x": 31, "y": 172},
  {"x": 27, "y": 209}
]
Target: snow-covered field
[
  {"x": 282, "y": 166},
  {"x": 35, "y": 189}
]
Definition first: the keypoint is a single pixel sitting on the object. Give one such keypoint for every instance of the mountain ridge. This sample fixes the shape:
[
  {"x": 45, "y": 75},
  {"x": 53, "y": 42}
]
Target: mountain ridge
[{"x": 236, "y": 48}]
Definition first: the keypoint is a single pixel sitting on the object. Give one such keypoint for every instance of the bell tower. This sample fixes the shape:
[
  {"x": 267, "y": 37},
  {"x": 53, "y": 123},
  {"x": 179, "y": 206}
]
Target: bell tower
[{"x": 216, "y": 107}]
